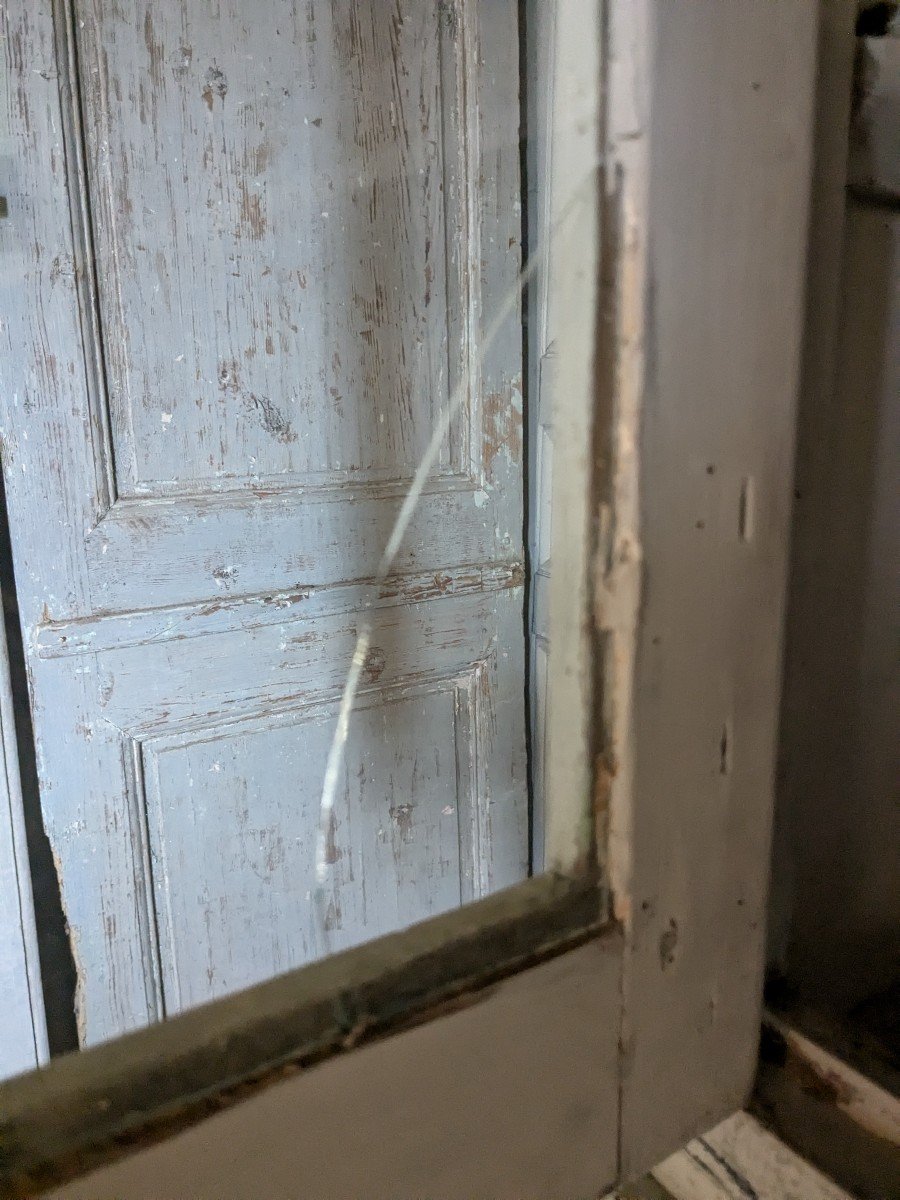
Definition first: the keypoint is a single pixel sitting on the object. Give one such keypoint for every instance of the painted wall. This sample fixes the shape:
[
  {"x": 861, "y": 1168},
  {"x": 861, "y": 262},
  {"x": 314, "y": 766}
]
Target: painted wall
[{"x": 836, "y": 905}]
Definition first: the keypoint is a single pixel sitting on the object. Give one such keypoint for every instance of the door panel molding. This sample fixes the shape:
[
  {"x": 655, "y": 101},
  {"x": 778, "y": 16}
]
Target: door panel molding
[
  {"x": 122, "y": 704},
  {"x": 171, "y": 552},
  {"x": 108, "y": 631},
  {"x": 95, "y": 102}
]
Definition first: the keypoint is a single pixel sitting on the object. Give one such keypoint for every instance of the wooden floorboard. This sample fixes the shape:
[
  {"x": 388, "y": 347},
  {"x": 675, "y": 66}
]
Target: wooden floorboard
[{"x": 738, "y": 1160}]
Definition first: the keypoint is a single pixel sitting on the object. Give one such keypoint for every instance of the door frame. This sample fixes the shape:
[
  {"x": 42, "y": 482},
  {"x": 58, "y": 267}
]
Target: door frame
[{"x": 613, "y": 1003}]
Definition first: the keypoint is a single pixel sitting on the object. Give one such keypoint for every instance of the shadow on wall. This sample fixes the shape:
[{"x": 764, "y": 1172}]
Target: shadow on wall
[{"x": 838, "y": 818}]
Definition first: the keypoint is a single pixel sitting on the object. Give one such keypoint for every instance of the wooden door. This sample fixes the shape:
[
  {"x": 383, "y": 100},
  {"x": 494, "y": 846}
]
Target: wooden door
[{"x": 255, "y": 249}]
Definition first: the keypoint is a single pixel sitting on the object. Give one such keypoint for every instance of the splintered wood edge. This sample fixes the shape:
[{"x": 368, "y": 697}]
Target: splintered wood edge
[{"x": 90, "y": 1108}]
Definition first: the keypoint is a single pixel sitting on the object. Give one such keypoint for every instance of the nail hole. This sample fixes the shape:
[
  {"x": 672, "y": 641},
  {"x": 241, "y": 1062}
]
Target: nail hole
[
  {"x": 725, "y": 751},
  {"x": 745, "y": 511}
]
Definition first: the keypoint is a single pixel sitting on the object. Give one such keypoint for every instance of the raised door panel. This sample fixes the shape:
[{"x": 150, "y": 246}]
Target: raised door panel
[
  {"x": 302, "y": 222},
  {"x": 185, "y": 775},
  {"x": 298, "y": 166},
  {"x": 233, "y": 874},
  {"x": 120, "y": 426}
]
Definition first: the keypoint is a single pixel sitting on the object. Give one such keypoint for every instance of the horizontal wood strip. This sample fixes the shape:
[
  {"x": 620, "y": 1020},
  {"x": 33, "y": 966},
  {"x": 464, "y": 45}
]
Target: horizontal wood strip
[
  {"x": 87, "y": 1108},
  {"x": 176, "y": 622}
]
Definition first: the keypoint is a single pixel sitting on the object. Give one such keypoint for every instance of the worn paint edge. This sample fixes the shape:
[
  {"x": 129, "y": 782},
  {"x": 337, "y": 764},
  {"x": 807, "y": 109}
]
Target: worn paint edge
[
  {"x": 93, "y": 1107},
  {"x": 107, "y": 631}
]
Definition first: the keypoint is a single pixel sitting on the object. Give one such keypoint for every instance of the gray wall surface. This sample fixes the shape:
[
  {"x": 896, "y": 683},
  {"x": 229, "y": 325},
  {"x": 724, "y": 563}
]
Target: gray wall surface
[{"x": 836, "y": 903}]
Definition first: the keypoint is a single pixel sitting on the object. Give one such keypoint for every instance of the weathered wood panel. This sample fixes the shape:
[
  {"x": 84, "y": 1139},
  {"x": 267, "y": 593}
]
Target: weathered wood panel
[
  {"x": 244, "y": 296},
  {"x": 85, "y": 1107},
  {"x": 235, "y": 879},
  {"x": 738, "y": 1160},
  {"x": 675, "y": 1037},
  {"x": 453, "y": 676}
]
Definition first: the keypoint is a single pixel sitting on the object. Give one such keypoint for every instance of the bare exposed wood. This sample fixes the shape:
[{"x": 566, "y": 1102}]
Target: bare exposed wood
[
  {"x": 740, "y": 1160},
  {"x": 23, "y": 1040}
]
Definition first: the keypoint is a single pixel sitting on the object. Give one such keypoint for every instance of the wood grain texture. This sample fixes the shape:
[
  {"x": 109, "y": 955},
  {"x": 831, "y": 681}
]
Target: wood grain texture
[
  {"x": 723, "y": 123},
  {"x": 216, "y": 849},
  {"x": 709, "y": 199},
  {"x": 241, "y": 168},
  {"x": 252, "y": 256},
  {"x": 842, "y": 1120},
  {"x": 740, "y": 1160}
]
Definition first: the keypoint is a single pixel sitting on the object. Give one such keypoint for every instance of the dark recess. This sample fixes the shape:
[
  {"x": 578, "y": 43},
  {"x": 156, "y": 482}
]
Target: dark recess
[
  {"x": 58, "y": 976},
  {"x": 875, "y": 20}
]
